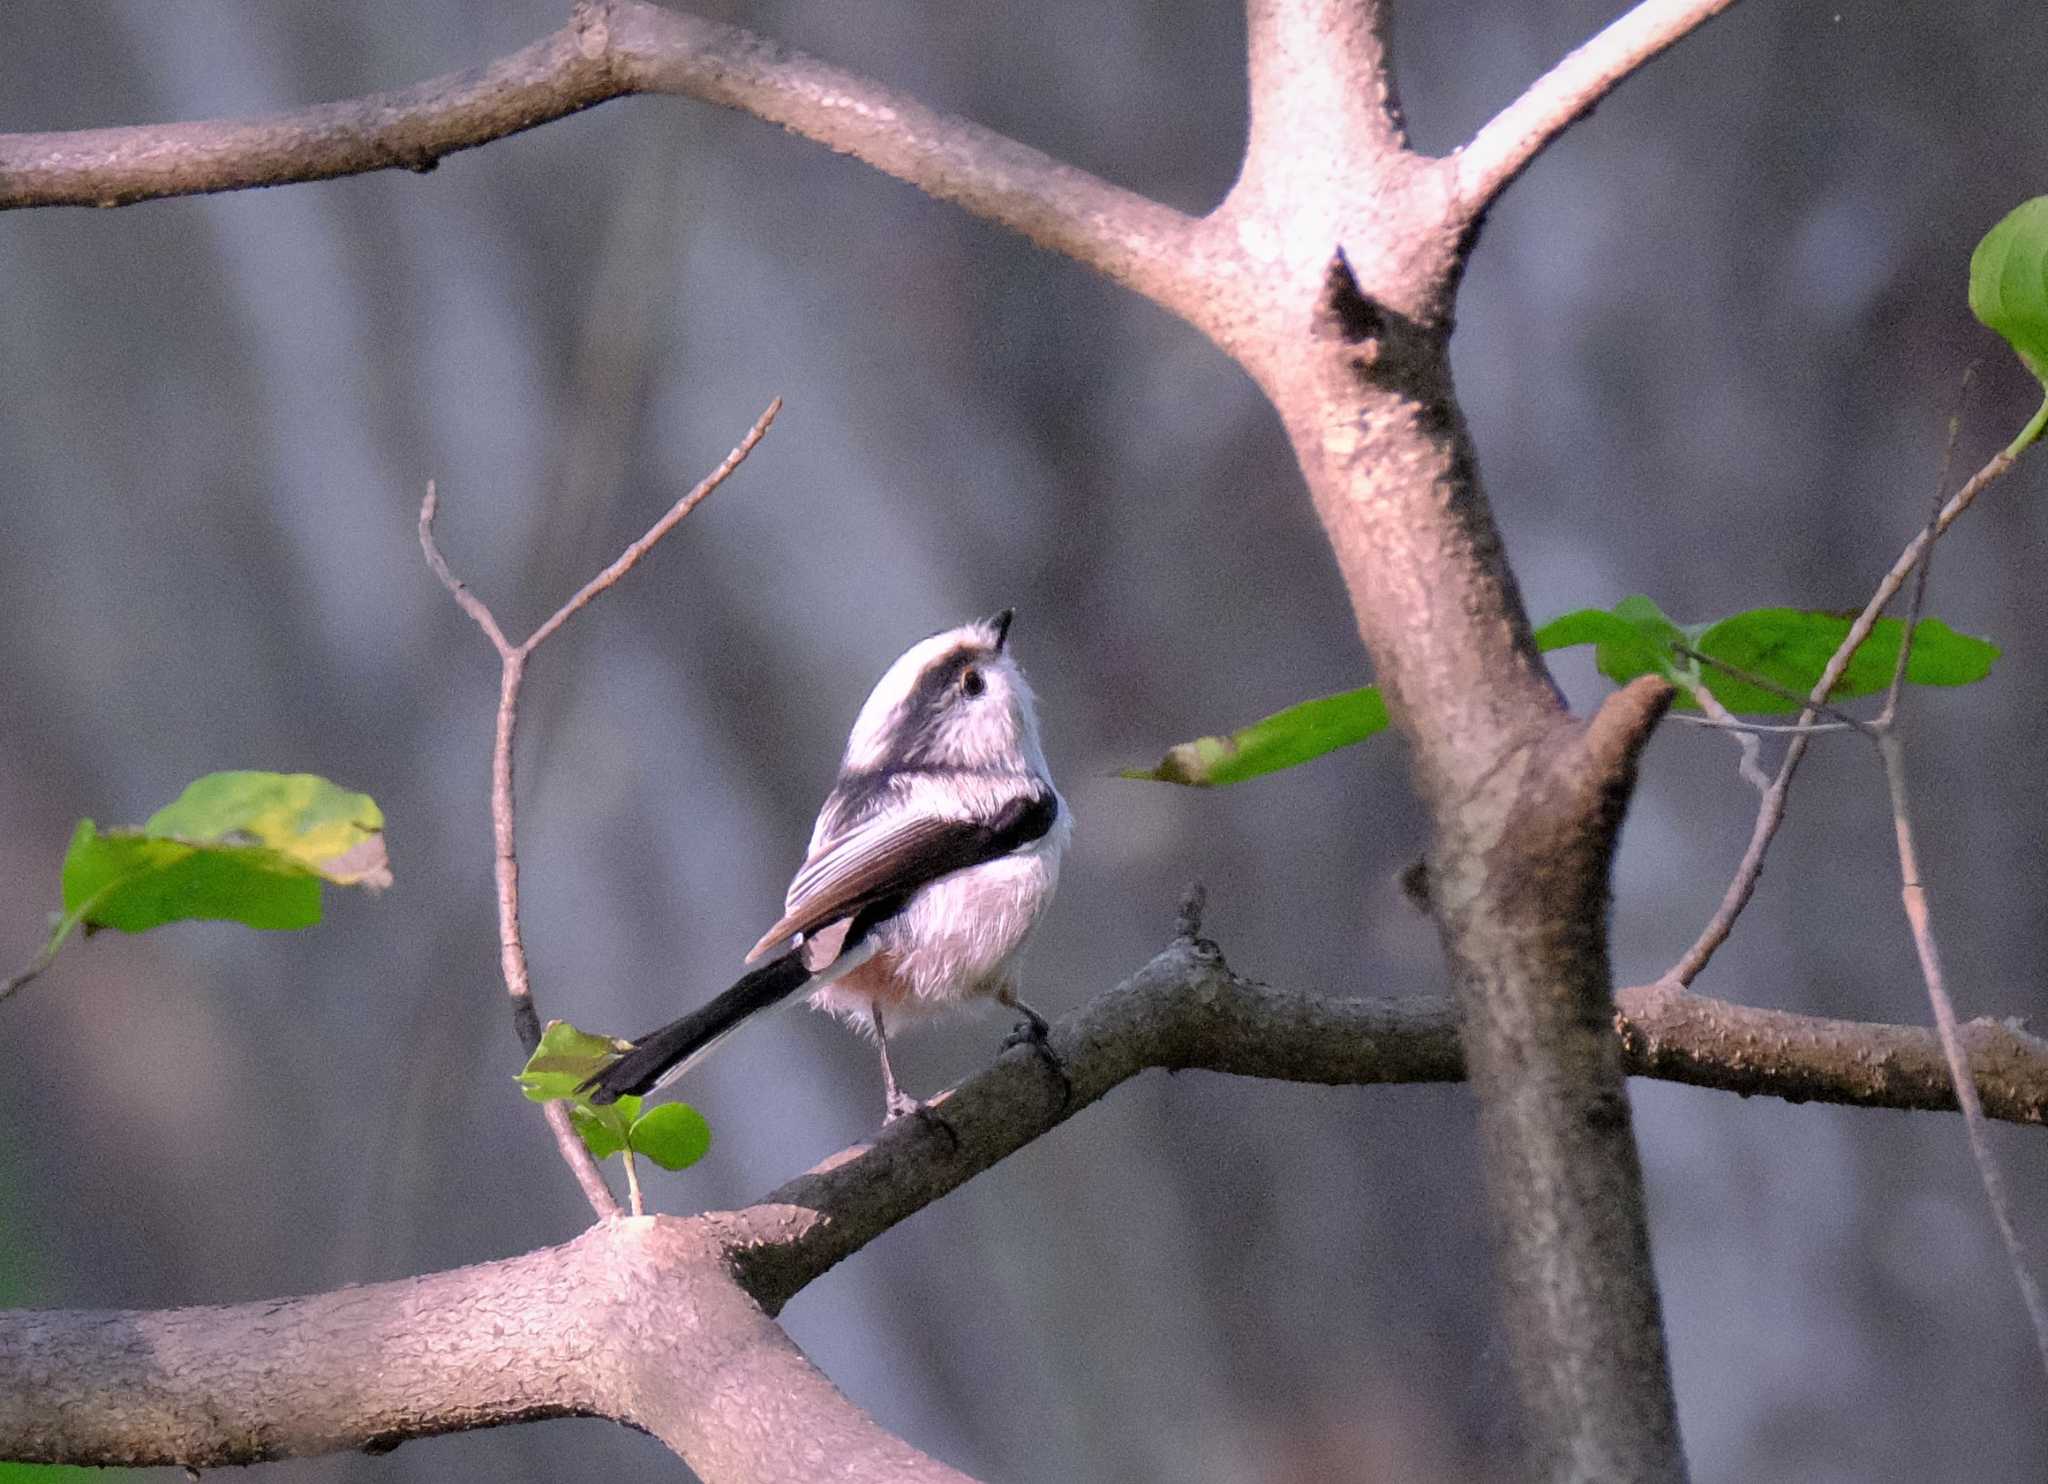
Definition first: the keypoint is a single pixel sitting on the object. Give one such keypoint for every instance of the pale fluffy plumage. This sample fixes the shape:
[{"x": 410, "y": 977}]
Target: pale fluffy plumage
[
  {"x": 999, "y": 732},
  {"x": 961, "y": 937},
  {"x": 960, "y": 941},
  {"x": 930, "y": 863}
]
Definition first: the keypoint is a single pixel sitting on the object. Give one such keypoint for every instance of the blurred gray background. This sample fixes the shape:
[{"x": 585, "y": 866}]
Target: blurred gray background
[{"x": 1708, "y": 345}]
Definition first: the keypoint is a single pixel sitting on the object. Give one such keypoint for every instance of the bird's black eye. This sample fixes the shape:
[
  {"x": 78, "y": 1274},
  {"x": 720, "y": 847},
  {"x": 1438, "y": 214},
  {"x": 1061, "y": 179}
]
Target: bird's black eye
[{"x": 971, "y": 682}]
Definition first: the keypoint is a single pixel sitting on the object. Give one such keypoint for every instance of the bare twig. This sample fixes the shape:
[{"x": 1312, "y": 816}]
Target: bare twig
[
  {"x": 512, "y": 660},
  {"x": 1883, "y": 732},
  {"x": 45, "y": 956},
  {"x": 1504, "y": 146},
  {"x": 1841, "y": 718},
  {"x": 1717, "y": 715},
  {"x": 1917, "y": 603},
  {"x": 628, "y": 559},
  {"x": 1757, "y": 728},
  {"x": 1913, "y": 893},
  {"x": 1771, "y": 812}
]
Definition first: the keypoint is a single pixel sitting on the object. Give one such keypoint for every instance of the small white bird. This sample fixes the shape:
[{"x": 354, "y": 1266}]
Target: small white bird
[{"x": 931, "y": 860}]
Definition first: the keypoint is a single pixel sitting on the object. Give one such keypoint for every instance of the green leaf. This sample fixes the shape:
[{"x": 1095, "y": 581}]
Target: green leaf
[
  {"x": 1793, "y": 645},
  {"x": 1634, "y": 637},
  {"x": 673, "y": 1135},
  {"x": 330, "y": 832},
  {"x": 128, "y": 880},
  {"x": 1281, "y": 740},
  {"x": 604, "y": 1130},
  {"x": 1788, "y": 645},
  {"x": 2009, "y": 282},
  {"x": 565, "y": 1058},
  {"x": 244, "y": 847}
]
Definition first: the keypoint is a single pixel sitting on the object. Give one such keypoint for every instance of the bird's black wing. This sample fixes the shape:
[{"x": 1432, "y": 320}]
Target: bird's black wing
[{"x": 891, "y": 857}]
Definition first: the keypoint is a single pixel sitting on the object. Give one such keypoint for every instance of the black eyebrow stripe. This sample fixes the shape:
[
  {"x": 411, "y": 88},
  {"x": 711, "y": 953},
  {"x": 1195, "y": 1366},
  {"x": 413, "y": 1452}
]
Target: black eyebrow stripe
[{"x": 940, "y": 674}]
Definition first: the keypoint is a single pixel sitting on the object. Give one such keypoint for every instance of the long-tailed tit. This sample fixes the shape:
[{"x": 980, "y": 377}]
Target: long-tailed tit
[{"x": 934, "y": 855}]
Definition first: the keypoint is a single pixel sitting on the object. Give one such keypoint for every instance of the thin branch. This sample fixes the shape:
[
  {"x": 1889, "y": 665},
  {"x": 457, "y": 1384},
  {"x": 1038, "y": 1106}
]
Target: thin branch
[
  {"x": 1883, "y": 732},
  {"x": 1771, "y": 812},
  {"x": 1764, "y": 683},
  {"x": 1914, "y": 606},
  {"x": 512, "y": 660},
  {"x": 1717, "y": 715},
  {"x": 1919, "y": 917},
  {"x": 1512, "y": 138},
  {"x": 1186, "y": 1011},
  {"x": 1758, "y": 728},
  {"x": 613, "y": 49},
  {"x": 1677, "y": 1036},
  {"x": 505, "y": 861},
  {"x": 1913, "y": 894},
  {"x": 628, "y": 559},
  {"x": 466, "y": 600},
  {"x": 1917, "y": 603},
  {"x": 45, "y": 956},
  {"x": 592, "y": 1327},
  {"x": 1994, "y": 469}
]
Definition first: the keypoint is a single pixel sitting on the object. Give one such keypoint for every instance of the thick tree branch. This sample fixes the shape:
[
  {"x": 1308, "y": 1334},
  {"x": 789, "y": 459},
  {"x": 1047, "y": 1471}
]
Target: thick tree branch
[
  {"x": 637, "y": 1320},
  {"x": 1362, "y": 242},
  {"x": 1327, "y": 100},
  {"x": 1129, "y": 237},
  {"x": 613, "y": 49},
  {"x": 1673, "y": 1036},
  {"x": 408, "y": 129},
  {"x": 662, "y": 1323},
  {"x": 1512, "y": 138}
]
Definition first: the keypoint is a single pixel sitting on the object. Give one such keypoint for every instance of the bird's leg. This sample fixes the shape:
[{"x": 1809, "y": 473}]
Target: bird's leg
[
  {"x": 900, "y": 1104},
  {"x": 1034, "y": 1028},
  {"x": 896, "y": 1101},
  {"x": 1033, "y": 1031}
]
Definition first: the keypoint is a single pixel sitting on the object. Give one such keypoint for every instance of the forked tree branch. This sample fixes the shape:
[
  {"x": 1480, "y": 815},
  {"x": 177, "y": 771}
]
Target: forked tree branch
[
  {"x": 664, "y": 1323},
  {"x": 1346, "y": 327},
  {"x": 512, "y": 660}
]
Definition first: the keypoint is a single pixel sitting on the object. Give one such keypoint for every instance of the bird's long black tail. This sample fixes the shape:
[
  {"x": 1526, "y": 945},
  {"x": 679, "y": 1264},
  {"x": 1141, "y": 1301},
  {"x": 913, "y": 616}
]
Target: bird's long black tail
[{"x": 668, "y": 1052}]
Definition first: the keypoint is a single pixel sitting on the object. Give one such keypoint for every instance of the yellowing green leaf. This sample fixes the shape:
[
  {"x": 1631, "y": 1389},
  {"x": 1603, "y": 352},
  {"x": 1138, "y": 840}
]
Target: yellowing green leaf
[
  {"x": 1282, "y": 740},
  {"x": 242, "y": 847}
]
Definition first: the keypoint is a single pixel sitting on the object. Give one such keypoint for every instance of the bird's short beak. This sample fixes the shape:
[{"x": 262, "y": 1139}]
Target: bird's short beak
[{"x": 1001, "y": 624}]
